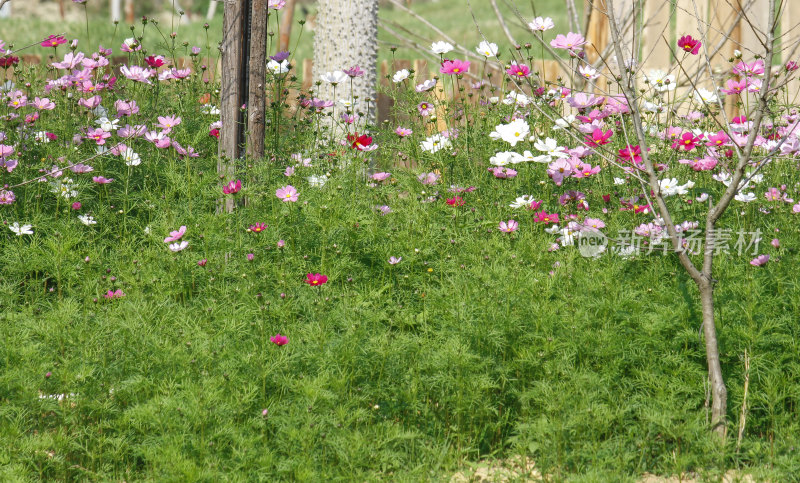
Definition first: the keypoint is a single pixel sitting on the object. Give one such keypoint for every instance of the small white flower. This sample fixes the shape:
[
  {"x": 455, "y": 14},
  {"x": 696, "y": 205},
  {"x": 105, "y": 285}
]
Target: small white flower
[
  {"x": 661, "y": 81},
  {"x": 147, "y": 230},
  {"x": 564, "y": 122},
  {"x": 553, "y": 229},
  {"x": 21, "y": 230},
  {"x": 335, "y": 77},
  {"x": 504, "y": 158},
  {"x": 619, "y": 181},
  {"x": 523, "y": 201},
  {"x": 435, "y": 143},
  {"x": 513, "y": 132},
  {"x": 551, "y": 149},
  {"x": 441, "y": 47},
  {"x": 317, "y": 181},
  {"x": 131, "y": 158},
  {"x": 278, "y": 67},
  {"x": 178, "y": 246},
  {"x": 107, "y": 125},
  {"x": 487, "y": 49},
  {"x": 426, "y": 85},
  {"x": 541, "y": 24},
  {"x": 745, "y": 197},
  {"x": 87, "y": 220},
  {"x": 400, "y": 76},
  {"x": 704, "y": 95}
]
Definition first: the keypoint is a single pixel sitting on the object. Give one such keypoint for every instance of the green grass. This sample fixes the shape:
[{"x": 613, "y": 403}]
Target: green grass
[{"x": 477, "y": 345}]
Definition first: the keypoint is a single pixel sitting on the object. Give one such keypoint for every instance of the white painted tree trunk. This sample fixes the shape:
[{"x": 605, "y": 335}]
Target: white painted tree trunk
[
  {"x": 5, "y": 10},
  {"x": 116, "y": 10},
  {"x": 212, "y": 9},
  {"x": 346, "y": 35}
]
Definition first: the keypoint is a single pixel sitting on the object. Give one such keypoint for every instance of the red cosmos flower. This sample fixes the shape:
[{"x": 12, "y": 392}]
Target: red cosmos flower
[
  {"x": 687, "y": 141},
  {"x": 154, "y": 61},
  {"x": 456, "y": 201},
  {"x": 631, "y": 153},
  {"x": 53, "y": 41},
  {"x": 316, "y": 279},
  {"x": 8, "y": 61},
  {"x": 214, "y": 133},
  {"x": 599, "y": 138},
  {"x": 544, "y": 217},
  {"x": 689, "y": 44},
  {"x": 359, "y": 142}
]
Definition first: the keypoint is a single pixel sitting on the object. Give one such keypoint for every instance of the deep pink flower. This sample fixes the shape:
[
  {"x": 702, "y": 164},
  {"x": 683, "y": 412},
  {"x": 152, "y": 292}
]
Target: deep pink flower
[
  {"x": 98, "y": 135},
  {"x": 258, "y": 227},
  {"x": 456, "y": 201},
  {"x": 114, "y": 294},
  {"x": 232, "y": 187},
  {"x": 689, "y": 44},
  {"x": 202, "y": 263},
  {"x": 518, "y": 70},
  {"x": 316, "y": 279},
  {"x": 631, "y": 153},
  {"x": 544, "y": 217},
  {"x": 454, "y": 67},
  {"x": 287, "y": 193},
  {"x": 278, "y": 340},
  {"x": 53, "y": 41},
  {"x": 599, "y": 138},
  {"x": 687, "y": 141}
]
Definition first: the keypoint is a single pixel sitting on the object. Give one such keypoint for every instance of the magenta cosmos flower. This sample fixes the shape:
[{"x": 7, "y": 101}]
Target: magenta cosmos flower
[
  {"x": 279, "y": 340},
  {"x": 53, "y": 41},
  {"x": 689, "y": 44},
  {"x": 759, "y": 260},
  {"x": 519, "y": 70},
  {"x": 454, "y": 67},
  {"x": 508, "y": 227},
  {"x": 258, "y": 227},
  {"x": 316, "y": 279},
  {"x": 232, "y": 187},
  {"x": 287, "y": 193}
]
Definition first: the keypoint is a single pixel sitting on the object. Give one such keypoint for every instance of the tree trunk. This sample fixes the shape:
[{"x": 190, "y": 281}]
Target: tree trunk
[
  {"x": 286, "y": 26},
  {"x": 347, "y": 35},
  {"x": 256, "y": 97},
  {"x": 719, "y": 394},
  {"x": 231, "y": 93},
  {"x": 212, "y": 9}
]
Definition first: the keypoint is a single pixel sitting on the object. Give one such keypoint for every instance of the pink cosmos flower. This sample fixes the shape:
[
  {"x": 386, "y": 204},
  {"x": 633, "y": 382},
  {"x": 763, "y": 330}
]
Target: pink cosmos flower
[
  {"x": 571, "y": 41},
  {"x": 71, "y": 60},
  {"x": 584, "y": 170},
  {"x": 175, "y": 235},
  {"x": 98, "y": 135},
  {"x": 631, "y": 153},
  {"x": 559, "y": 169},
  {"x": 508, "y": 227},
  {"x": 167, "y": 123},
  {"x": 428, "y": 178},
  {"x": 599, "y": 138},
  {"x": 136, "y": 73},
  {"x": 7, "y": 197},
  {"x": 454, "y": 67},
  {"x": 381, "y": 176},
  {"x": 316, "y": 279},
  {"x": 745, "y": 69},
  {"x": 287, "y": 193},
  {"x": 582, "y": 100},
  {"x": 258, "y": 227},
  {"x": 403, "y": 132},
  {"x": 734, "y": 87},
  {"x": 43, "y": 104},
  {"x": 354, "y": 71},
  {"x": 278, "y": 340},
  {"x": 425, "y": 108},
  {"x": 776, "y": 243},
  {"x": 250, "y": 257},
  {"x": 455, "y": 201},
  {"x": 796, "y": 208},
  {"x": 102, "y": 180},
  {"x": 91, "y": 102},
  {"x": 718, "y": 139},
  {"x": 501, "y": 172},
  {"x": 519, "y": 71},
  {"x": 759, "y": 260},
  {"x": 53, "y": 41},
  {"x": 202, "y": 263},
  {"x": 232, "y": 187},
  {"x": 773, "y": 194},
  {"x": 114, "y": 294},
  {"x": 395, "y": 260},
  {"x": 689, "y": 44},
  {"x": 276, "y": 4}
]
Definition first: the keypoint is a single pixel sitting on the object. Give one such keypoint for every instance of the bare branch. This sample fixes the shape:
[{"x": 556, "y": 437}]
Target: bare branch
[{"x": 502, "y": 22}]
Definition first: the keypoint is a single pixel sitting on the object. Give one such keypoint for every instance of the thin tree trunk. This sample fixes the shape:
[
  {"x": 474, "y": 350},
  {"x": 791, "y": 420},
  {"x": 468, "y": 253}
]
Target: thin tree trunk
[
  {"x": 286, "y": 26},
  {"x": 232, "y": 94},
  {"x": 347, "y": 35},
  {"x": 256, "y": 97},
  {"x": 116, "y": 10},
  {"x": 212, "y": 9},
  {"x": 719, "y": 394}
]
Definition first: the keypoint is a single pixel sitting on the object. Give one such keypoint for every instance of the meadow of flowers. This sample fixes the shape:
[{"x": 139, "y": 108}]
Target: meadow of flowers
[{"x": 392, "y": 301}]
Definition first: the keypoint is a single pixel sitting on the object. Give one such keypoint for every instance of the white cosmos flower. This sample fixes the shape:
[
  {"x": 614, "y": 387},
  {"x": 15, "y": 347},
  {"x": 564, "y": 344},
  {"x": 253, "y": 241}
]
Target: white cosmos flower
[
  {"x": 487, "y": 49},
  {"x": 504, "y": 158},
  {"x": 400, "y": 76},
  {"x": 670, "y": 186},
  {"x": 107, "y": 125},
  {"x": 516, "y": 98},
  {"x": 541, "y": 24},
  {"x": 619, "y": 181},
  {"x": 278, "y": 67},
  {"x": 564, "y": 122},
  {"x": 87, "y": 220},
  {"x": 178, "y": 246},
  {"x": 553, "y": 230},
  {"x": 317, "y": 181},
  {"x": 335, "y": 77},
  {"x": 523, "y": 201},
  {"x": 551, "y": 149},
  {"x": 435, "y": 143},
  {"x": 441, "y": 47},
  {"x": 704, "y": 95},
  {"x": 426, "y": 85},
  {"x": 21, "y": 230},
  {"x": 131, "y": 158},
  {"x": 513, "y": 132},
  {"x": 661, "y": 81},
  {"x": 745, "y": 197},
  {"x": 588, "y": 72}
]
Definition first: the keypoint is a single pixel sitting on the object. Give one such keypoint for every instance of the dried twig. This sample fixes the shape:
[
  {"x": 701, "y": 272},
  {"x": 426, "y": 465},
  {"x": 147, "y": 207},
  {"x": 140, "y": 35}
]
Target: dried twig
[{"x": 743, "y": 413}]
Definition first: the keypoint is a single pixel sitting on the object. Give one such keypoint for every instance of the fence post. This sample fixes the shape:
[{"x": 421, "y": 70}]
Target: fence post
[{"x": 256, "y": 97}]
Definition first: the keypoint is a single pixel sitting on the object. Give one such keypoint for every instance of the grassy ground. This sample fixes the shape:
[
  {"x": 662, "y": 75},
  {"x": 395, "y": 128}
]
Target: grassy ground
[{"x": 477, "y": 345}]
